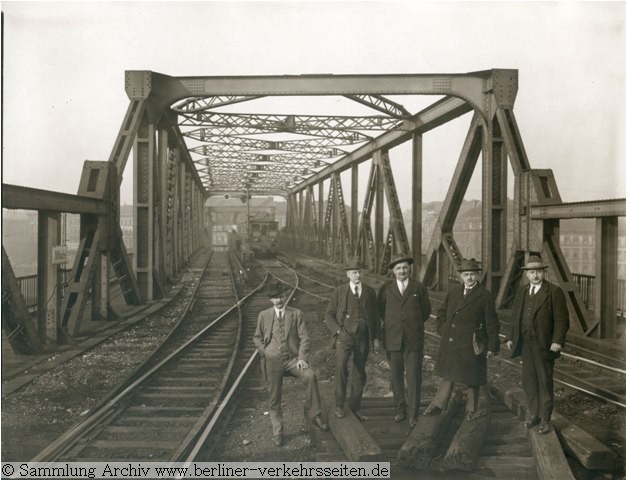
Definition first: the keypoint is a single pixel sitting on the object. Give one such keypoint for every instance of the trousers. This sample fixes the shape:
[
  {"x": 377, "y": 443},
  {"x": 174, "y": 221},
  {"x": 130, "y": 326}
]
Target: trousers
[
  {"x": 357, "y": 346},
  {"x": 411, "y": 362},
  {"x": 276, "y": 369},
  {"x": 537, "y": 379}
]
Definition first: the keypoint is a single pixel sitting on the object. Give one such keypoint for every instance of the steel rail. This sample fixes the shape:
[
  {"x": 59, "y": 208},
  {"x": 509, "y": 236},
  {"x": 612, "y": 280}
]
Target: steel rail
[
  {"x": 106, "y": 407},
  {"x": 581, "y": 385},
  {"x": 234, "y": 388}
]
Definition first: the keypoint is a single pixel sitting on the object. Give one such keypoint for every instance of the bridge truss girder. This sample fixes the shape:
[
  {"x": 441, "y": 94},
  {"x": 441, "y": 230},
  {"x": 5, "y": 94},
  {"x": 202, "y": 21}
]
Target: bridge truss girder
[{"x": 172, "y": 180}]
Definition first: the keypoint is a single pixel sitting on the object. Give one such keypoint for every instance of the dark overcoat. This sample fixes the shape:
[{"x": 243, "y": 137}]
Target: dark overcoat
[
  {"x": 337, "y": 309},
  {"x": 403, "y": 315},
  {"x": 550, "y": 319},
  {"x": 458, "y": 318}
]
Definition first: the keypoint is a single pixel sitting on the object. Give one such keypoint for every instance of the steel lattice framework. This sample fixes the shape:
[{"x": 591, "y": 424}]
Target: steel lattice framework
[
  {"x": 232, "y": 158},
  {"x": 186, "y": 143}
]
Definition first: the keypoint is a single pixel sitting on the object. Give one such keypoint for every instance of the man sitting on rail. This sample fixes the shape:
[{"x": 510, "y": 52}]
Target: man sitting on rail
[
  {"x": 539, "y": 322},
  {"x": 282, "y": 340},
  {"x": 352, "y": 318}
]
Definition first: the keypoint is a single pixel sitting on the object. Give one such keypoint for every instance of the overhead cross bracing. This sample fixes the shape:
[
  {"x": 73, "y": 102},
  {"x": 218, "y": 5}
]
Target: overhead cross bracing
[
  {"x": 271, "y": 166},
  {"x": 220, "y": 115}
]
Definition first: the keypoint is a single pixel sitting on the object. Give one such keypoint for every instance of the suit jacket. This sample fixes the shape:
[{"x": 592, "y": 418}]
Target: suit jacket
[
  {"x": 550, "y": 319},
  {"x": 458, "y": 318},
  {"x": 297, "y": 336},
  {"x": 337, "y": 310},
  {"x": 403, "y": 315}
]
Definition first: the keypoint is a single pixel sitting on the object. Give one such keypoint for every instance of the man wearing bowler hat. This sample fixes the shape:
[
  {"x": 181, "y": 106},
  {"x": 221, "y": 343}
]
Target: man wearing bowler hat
[
  {"x": 539, "y": 322},
  {"x": 352, "y": 318},
  {"x": 282, "y": 340},
  {"x": 469, "y": 329},
  {"x": 404, "y": 306}
]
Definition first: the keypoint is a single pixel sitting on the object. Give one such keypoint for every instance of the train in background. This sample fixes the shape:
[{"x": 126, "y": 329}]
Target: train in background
[
  {"x": 264, "y": 238},
  {"x": 261, "y": 243}
]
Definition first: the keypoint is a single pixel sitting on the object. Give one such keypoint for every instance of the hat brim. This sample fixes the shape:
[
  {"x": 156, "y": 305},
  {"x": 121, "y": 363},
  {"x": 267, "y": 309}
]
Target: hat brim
[
  {"x": 355, "y": 267},
  {"x": 392, "y": 264},
  {"x": 539, "y": 266},
  {"x": 460, "y": 270}
]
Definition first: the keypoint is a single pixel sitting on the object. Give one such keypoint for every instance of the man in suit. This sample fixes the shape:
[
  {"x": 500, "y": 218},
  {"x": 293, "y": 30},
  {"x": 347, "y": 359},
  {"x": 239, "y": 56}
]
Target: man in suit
[
  {"x": 352, "y": 318},
  {"x": 404, "y": 306},
  {"x": 539, "y": 322},
  {"x": 282, "y": 340},
  {"x": 469, "y": 329}
]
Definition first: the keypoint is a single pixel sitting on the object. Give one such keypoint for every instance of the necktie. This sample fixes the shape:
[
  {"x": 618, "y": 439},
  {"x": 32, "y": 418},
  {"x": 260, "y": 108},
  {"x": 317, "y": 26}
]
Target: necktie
[
  {"x": 356, "y": 291},
  {"x": 402, "y": 288},
  {"x": 280, "y": 316},
  {"x": 532, "y": 290}
]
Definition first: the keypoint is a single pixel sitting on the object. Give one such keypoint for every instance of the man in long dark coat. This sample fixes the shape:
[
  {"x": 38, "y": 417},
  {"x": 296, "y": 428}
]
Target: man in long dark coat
[
  {"x": 352, "y": 318},
  {"x": 469, "y": 330},
  {"x": 404, "y": 307},
  {"x": 539, "y": 323}
]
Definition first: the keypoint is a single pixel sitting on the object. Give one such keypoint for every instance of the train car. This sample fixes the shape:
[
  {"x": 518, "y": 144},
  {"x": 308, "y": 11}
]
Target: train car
[{"x": 264, "y": 238}]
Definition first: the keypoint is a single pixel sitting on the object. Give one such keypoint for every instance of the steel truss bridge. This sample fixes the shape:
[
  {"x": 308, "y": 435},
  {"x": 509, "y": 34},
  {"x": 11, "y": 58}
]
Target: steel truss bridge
[{"x": 194, "y": 137}]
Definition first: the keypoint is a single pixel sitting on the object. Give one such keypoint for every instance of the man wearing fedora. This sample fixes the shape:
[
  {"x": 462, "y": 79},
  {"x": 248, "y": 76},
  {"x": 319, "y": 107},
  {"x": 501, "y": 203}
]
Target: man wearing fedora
[
  {"x": 539, "y": 322},
  {"x": 352, "y": 318},
  {"x": 469, "y": 329},
  {"x": 282, "y": 340},
  {"x": 404, "y": 306}
]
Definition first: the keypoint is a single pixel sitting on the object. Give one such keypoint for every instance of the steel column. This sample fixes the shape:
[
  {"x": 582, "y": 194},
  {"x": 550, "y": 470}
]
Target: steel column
[
  {"x": 144, "y": 151},
  {"x": 354, "y": 209},
  {"x": 320, "y": 216},
  {"x": 49, "y": 287},
  {"x": 494, "y": 200},
  {"x": 605, "y": 308},
  {"x": 379, "y": 239},
  {"x": 416, "y": 202}
]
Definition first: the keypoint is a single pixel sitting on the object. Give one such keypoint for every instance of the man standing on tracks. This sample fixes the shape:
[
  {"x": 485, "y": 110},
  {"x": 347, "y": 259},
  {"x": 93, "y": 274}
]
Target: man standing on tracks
[
  {"x": 469, "y": 329},
  {"x": 404, "y": 306},
  {"x": 352, "y": 318},
  {"x": 282, "y": 340},
  {"x": 539, "y": 322}
]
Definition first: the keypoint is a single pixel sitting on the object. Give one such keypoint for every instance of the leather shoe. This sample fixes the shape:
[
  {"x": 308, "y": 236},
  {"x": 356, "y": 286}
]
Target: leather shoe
[
  {"x": 432, "y": 410},
  {"x": 399, "y": 417},
  {"x": 339, "y": 413},
  {"x": 360, "y": 416},
  {"x": 318, "y": 422},
  {"x": 278, "y": 440},
  {"x": 544, "y": 427},
  {"x": 531, "y": 422},
  {"x": 412, "y": 422}
]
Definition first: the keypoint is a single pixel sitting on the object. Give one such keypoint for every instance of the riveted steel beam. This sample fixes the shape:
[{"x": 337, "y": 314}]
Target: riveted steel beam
[
  {"x": 433, "y": 116},
  {"x": 26, "y": 198},
  {"x": 474, "y": 87},
  {"x": 593, "y": 209}
]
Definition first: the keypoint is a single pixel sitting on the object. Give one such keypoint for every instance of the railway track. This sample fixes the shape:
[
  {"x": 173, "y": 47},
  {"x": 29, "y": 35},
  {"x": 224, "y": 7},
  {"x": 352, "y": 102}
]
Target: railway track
[
  {"x": 178, "y": 388},
  {"x": 588, "y": 376},
  {"x": 175, "y": 392}
]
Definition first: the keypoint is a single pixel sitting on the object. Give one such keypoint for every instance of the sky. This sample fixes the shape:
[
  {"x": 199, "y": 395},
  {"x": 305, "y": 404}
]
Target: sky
[{"x": 64, "y": 64}]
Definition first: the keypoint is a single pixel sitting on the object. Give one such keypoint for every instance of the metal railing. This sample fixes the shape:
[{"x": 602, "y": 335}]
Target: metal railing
[
  {"x": 585, "y": 285},
  {"x": 28, "y": 287}
]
